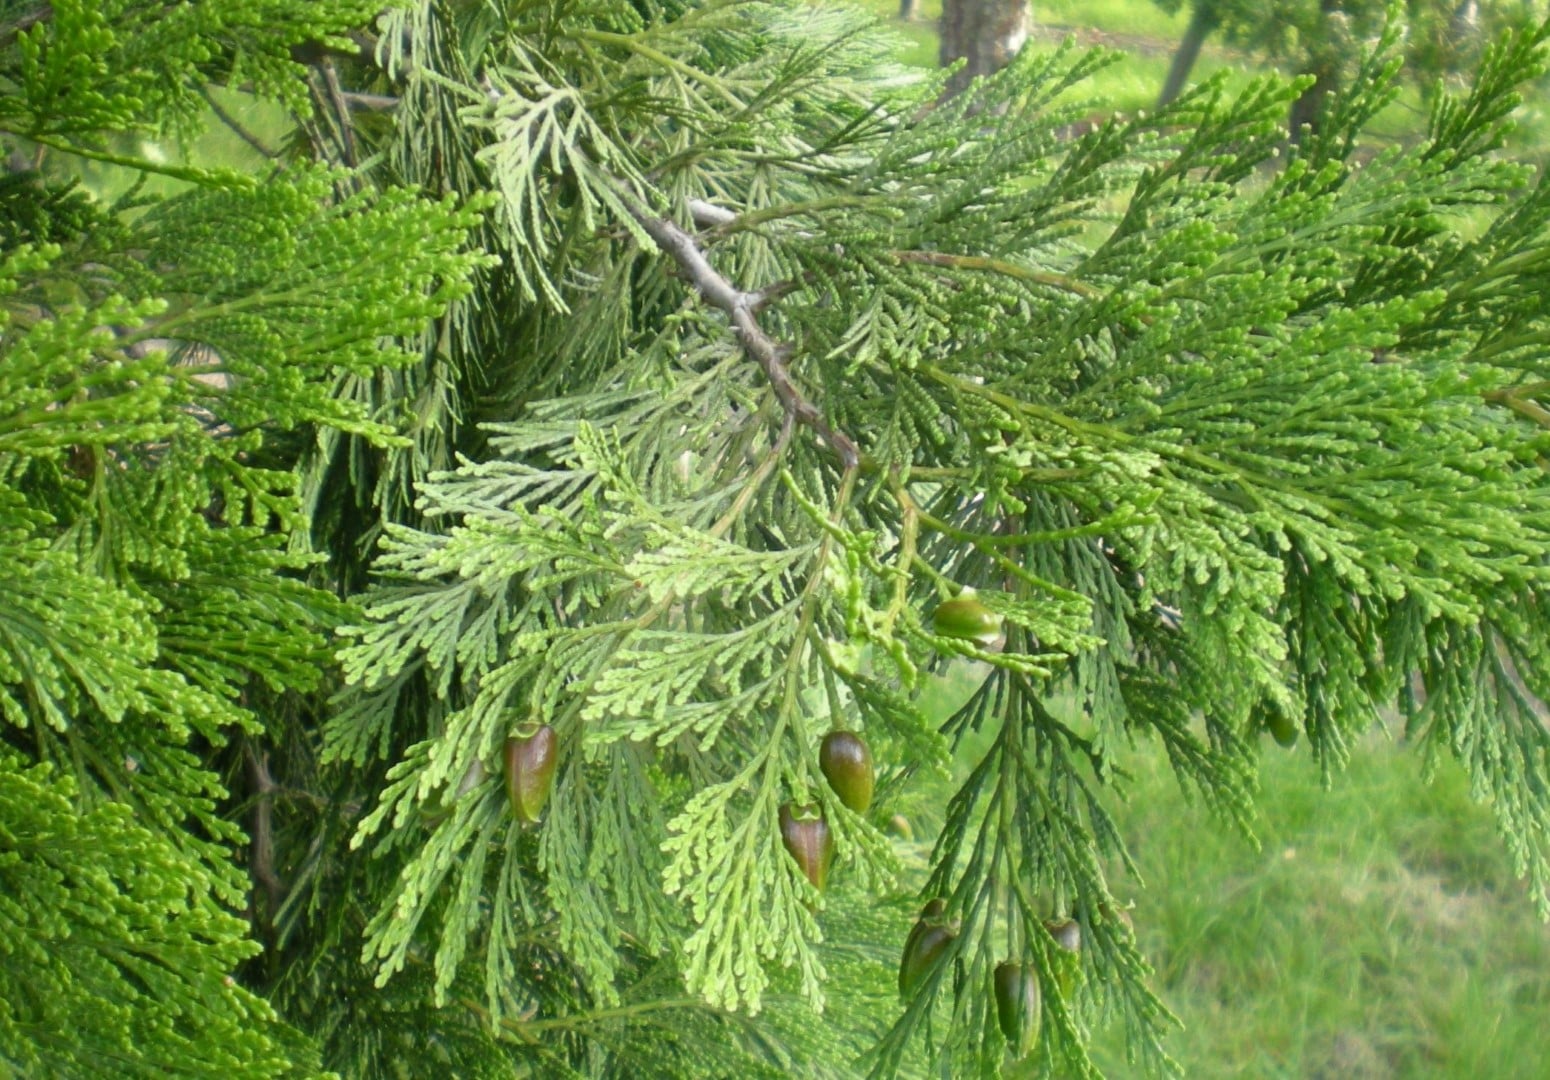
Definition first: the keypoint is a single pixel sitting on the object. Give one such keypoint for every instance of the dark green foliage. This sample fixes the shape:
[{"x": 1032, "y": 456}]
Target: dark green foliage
[{"x": 1201, "y": 465}]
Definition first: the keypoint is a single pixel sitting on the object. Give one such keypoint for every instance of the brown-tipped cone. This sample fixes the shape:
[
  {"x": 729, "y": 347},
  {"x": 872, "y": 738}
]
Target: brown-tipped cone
[
  {"x": 531, "y": 757},
  {"x": 1017, "y": 1007},
  {"x": 846, "y": 762},
  {"x": 806, "y": 836},
  {"x": 930, "y": 915}
]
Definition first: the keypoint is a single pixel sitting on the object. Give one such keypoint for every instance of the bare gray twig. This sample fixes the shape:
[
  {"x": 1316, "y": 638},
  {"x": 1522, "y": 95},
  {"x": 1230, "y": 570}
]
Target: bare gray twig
[
  {"x": 708, "y": 215},
  {"x": 742, "y": 309},
  {"x": 370, "y": 102},
  {"x": 262, "y": 859}
]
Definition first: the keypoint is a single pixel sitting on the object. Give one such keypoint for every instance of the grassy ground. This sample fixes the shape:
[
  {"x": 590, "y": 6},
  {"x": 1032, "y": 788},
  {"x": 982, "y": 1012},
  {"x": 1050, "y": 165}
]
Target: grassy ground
[
  {"x": 1145, "y": 28},
  {"x": 1377, "y": 932}
]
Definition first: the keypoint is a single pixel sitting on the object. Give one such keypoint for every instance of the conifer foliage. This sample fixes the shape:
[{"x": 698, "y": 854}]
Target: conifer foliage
[
  {"x": 642, "y": 377},
  {"x": 152, "y": 351}
]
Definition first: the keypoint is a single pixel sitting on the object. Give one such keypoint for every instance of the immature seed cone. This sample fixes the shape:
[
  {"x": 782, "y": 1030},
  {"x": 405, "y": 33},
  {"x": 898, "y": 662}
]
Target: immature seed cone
[
  {"x": 806, "y": 836},
  {"x": 1120, "y": 914},
  {"x": 1017, "y": 1007},
  {"x": 966, "y": 618},
  {"x": 1068, "y": 935},
  {"x": 923, "y": 954},
  {"x": 1283, "y": 729},
  {"x": 927, "y": 939},
  {"x": 847, "y": 765},
  {"x": 440, "y": 809},
  {"x": 1066, "y": 932},
  {"x": 531, "y": 757},
  {"x": 930, "y": 915}
]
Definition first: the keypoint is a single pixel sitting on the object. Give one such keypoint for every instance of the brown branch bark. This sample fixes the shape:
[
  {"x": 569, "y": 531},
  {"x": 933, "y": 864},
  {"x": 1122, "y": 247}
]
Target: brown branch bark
[
  {"x": 341, "y": 111},
  {"x": 262, "y": 858},
  {"x": 231, "y": 122},
  {"x": 742, "y": 309}
]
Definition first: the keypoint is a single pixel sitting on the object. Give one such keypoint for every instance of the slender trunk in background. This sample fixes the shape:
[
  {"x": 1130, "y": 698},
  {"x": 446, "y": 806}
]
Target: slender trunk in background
[
  {"x": 1323, "y": 63},
  {"x": 909, "y": 9},
  {"x": 1305, "y": 113},
  {"x": 1202, "y": 21},
  {"x": 985, "y": 33}
]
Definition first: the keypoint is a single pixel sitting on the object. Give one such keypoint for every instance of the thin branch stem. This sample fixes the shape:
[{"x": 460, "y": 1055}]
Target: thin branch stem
[
  {"x": 754, "y": 218},
  {"x": 742, "y": 309},
  {"x": 191, "y": 174},
  {"x": 1516, "y": 400},
  {"x": 687, "y": 71},
  {"x": 341, "y": 110},
  {"x": 231, "y": 122},
  {"x": 999, "y": 266},
  {"x": 371, "y": 102},
  {"x": 263, "y": 828},
  {"x": 756, "y": 481},
  {"x": 12, "y": 30}
]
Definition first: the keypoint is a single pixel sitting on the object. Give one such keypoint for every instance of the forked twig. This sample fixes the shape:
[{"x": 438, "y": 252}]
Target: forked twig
[{"x": 743, "y": 308}]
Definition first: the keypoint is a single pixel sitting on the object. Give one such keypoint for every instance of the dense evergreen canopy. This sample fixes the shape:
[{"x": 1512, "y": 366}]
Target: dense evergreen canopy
[{"x": 652, "y": 371}]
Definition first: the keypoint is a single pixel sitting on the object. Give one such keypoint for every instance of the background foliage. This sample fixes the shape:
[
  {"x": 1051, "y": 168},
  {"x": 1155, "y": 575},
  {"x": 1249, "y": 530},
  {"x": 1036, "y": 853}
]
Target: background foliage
[{"x": 652, "y": 371}]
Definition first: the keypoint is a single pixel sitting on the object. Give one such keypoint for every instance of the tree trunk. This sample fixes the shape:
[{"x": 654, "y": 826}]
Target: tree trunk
[
  {"x": 1307, "y": 109},
  {"x": 985, "y": 33},
  {"x": 1323, "y": 64},
  {"x": 1202, "y": 21},
  {"x": 909, "y": 9}
]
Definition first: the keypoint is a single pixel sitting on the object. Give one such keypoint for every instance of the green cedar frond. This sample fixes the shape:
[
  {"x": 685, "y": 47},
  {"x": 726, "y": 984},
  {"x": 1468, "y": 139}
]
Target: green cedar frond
[
  {"x": 118, "y": 952},
  {"x": 126, "y": 65},
  {"x": 155, "y": 353}
]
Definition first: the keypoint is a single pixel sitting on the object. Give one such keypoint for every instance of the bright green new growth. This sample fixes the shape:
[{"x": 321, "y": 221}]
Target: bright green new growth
[
  {"x": 152, "y": 610},
  {"x": 770, "y": 351},
  {"x": 118, "y": 949}
]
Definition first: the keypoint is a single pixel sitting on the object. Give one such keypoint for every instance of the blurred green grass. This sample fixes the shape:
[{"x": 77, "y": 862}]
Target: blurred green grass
[
  {"x": 215, "y": 145},
  {"x": 1131, "y": 84},
  {"x": 1378, "y": 931}
]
